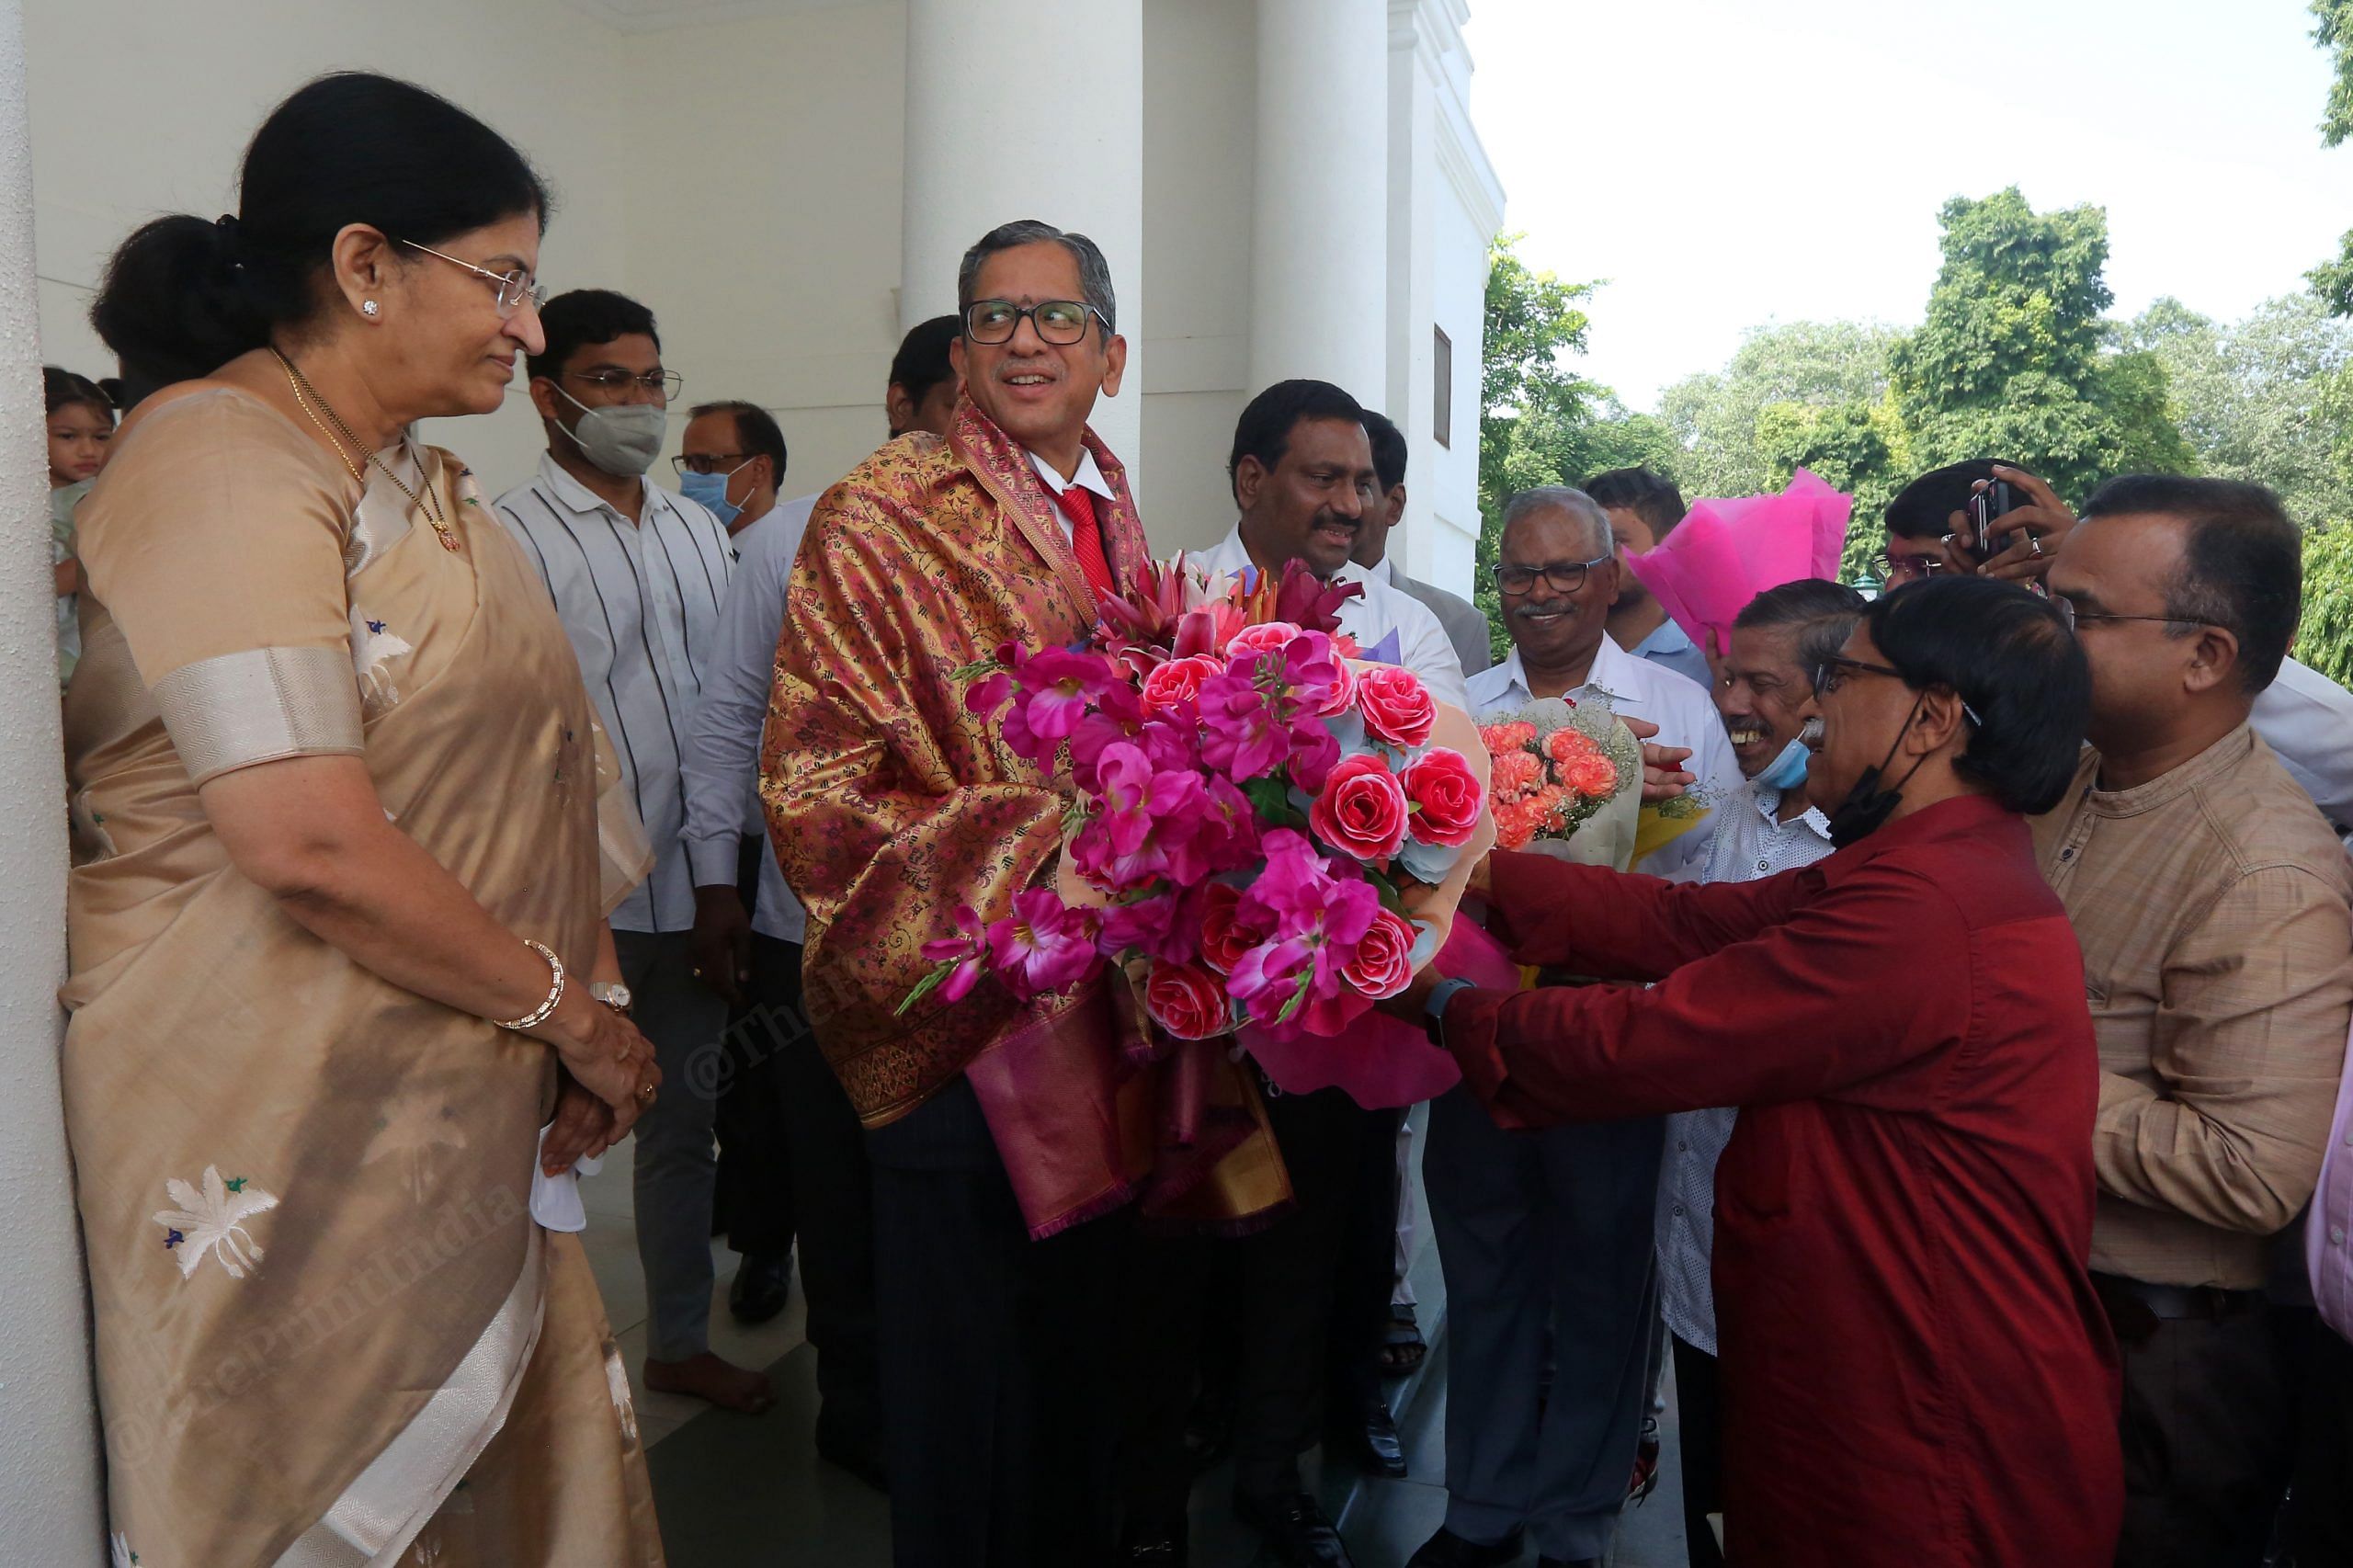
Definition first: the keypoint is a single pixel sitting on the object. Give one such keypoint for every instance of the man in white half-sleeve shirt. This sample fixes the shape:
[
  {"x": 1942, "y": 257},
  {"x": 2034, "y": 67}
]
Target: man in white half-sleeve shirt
[
  {"x": 637, "y": 576},
  {"x": 758, "y": 955},
  {"x": 1518, "y": 1464},
  {"x": 1302, "y": 476}
]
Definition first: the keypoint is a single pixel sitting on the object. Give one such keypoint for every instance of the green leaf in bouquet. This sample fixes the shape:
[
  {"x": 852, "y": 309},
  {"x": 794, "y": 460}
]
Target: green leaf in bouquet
[
  {"x": 924, "y": 987},
  {"x": 1297, "y": 997},
  {"x": 979, "y": 669},
  {"x": 1271, "y": 800},
  {"x": 1390, "y": 899}
]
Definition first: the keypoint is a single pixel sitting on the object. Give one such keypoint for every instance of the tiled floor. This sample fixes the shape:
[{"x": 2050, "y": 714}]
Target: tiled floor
[{"x": 737, "y": 1491}]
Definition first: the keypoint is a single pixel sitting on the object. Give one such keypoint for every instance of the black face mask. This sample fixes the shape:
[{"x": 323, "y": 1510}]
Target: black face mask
[{"x": 1866, "y": 805}]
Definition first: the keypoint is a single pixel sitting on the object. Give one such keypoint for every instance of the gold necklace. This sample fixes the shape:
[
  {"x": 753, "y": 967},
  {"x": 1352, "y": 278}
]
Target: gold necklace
[{"x": 305, "y": 394}]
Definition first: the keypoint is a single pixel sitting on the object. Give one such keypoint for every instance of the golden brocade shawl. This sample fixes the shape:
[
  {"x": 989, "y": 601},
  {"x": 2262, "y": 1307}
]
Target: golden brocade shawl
[
  {"x": 304, "y": 1191},
  {"x": 891, "y": 805}
]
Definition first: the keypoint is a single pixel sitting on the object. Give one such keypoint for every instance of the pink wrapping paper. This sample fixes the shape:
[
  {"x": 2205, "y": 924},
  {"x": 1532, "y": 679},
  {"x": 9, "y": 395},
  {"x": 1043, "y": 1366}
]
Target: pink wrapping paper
[
  {"x": 1725, "y": 553},
  {"x": 1386, "y": 1061}
]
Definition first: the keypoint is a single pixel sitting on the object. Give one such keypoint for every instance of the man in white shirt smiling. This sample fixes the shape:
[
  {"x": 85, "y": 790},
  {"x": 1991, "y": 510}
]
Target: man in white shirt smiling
[
  {"x": 1517, "y": 1464},
  {"x": 1302, "y": 476}
]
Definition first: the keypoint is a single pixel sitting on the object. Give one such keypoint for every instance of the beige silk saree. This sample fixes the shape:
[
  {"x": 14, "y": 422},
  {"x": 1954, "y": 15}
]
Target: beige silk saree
[{"x": 329, "y": 1331}]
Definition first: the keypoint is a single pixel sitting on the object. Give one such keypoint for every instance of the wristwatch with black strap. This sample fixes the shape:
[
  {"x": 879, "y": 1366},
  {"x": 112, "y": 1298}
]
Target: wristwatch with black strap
[{"x": 1434, "y": 1007}]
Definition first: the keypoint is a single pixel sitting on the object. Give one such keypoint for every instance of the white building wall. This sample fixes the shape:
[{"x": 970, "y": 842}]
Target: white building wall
[
  {"x": 742, "y": 176},
  {"x": 48, "y": 1444}
]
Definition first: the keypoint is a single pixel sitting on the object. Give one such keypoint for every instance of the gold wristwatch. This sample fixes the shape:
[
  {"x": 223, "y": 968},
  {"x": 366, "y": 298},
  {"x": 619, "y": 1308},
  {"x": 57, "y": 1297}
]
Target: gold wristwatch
[{"x": 612, "y": 993}]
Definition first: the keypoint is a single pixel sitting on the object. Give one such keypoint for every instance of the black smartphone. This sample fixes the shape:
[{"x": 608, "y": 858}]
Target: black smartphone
[{"x": 1994, "y": 501}]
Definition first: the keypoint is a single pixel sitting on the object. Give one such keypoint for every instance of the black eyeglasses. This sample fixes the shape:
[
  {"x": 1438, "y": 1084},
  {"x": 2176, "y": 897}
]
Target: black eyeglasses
[
  {"x": 662, "y": 384},
  {"x": 1566, "y": 576},
  {"x": 1831, "y": 673},
  {"x": 2075, "y": 618},
  {"x": 708, "y": 462},
  {"x": 1059, "y": 322}
]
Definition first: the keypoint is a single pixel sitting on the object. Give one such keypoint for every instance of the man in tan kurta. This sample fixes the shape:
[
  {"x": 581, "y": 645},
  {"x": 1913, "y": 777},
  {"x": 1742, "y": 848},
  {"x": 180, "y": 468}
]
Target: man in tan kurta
[{"x": 2211, "y": 902}]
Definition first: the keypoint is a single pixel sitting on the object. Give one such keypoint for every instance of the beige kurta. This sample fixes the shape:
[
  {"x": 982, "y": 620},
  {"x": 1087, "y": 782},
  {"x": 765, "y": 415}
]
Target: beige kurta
[{"x": 322, "y": 1309}]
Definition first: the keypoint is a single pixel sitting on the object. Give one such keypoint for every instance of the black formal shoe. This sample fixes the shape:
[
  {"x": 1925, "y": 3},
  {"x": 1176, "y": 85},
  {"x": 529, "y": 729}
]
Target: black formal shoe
[
  {"x": 763, "y": 1281},
  {"x": 1568, "y": 1562},
  {"x": 1152, "y": 1546},
  {"x": 1447, "y": 1550},
  {"x": 1297, "y": 1529},
  {"x": 1371, "y": 1441},
  {"x": 856, "y": 1451}
]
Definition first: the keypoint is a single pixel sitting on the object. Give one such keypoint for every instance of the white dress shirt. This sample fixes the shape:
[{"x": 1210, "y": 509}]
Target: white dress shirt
[
  {"x": 723, "y": 765},
  {"x": 1088, "y": 477},
  {"x": 1682, "y": 709},
  {"x": 1753, "y": 843},
  {"x": 2308, "y": 720},
  {"x": 1422, "y": 643},
  {"x": 639, "y": 602}
]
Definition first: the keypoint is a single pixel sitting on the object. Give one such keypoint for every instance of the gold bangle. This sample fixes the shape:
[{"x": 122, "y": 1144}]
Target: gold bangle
[{"x": 555, "y": 992}]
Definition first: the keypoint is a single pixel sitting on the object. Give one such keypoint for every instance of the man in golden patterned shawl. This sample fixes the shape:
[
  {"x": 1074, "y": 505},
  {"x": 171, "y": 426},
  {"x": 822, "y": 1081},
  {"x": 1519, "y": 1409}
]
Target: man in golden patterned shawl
[{"x": 1005, "y": 1136}]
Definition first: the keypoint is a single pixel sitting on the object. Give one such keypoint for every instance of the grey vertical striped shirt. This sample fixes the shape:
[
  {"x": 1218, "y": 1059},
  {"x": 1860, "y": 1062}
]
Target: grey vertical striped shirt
[{"x": 641, "y": 604}]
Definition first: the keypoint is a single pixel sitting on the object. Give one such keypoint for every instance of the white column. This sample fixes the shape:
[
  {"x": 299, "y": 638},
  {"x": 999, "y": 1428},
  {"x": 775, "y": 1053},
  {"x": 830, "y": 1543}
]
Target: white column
[
  {"x": 48, "y": 1446},
  {"x": 1027, "y": 109},
  {"x": 1320, "y": 240}
]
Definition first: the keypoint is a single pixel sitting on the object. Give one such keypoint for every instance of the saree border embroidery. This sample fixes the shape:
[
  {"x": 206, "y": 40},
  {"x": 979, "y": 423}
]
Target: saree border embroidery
[{"x": 259, "y": 705}]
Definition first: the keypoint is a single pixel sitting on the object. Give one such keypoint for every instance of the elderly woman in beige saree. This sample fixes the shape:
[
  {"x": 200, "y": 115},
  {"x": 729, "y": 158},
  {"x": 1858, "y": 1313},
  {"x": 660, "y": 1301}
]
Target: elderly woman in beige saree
[{"x": 332, "y": 772}]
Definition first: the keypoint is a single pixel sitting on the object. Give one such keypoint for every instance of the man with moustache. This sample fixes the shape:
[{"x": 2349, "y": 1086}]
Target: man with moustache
[
  {"x": 1765, "y": 695},
  {"x": 989, "y": 1122},
  {"x": 1303, "y": 475},
  {"x": 823, "y": 1191},
  {"x": 1520, "y": 1215}
]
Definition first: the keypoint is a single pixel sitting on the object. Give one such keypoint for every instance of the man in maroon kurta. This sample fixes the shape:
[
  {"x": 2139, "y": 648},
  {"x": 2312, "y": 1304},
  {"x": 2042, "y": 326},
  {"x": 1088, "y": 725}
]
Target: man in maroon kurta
[{"x": 1915, "y": 1368}]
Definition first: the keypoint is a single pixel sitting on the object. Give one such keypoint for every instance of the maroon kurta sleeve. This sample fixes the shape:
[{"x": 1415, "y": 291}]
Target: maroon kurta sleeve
[
  {"x": 1857, "y": 981},
  {"x": 1617, "y": 925}
]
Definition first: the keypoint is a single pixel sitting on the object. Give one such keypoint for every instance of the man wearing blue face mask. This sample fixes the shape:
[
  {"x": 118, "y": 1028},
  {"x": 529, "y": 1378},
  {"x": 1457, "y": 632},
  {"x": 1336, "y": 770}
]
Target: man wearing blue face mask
[
  {"x": 637, "y": 575},
  {"x": 1765, "y": 691},
  {"x": 731, "y": 461}
]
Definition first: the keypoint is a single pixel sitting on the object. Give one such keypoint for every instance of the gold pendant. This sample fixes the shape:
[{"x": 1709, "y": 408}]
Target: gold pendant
[{"x": 450, "y": 541}]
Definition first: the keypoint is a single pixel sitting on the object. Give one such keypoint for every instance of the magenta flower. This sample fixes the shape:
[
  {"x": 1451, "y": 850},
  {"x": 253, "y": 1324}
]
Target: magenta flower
[
  {"x": 1059, "y": 687},
  {"x": 1043, "y": 945},
  {"x": 968, "y": 950},
  {"x": 1241, "y": 736},
  {"x": 1166, "y": 926}
]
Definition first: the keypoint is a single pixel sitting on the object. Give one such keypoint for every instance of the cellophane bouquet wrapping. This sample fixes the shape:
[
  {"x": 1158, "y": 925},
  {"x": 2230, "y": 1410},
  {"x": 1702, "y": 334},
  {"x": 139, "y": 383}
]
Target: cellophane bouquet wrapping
[
  {"x": 1565, "y": 781},
  {"x": 1265, "y": 836}
]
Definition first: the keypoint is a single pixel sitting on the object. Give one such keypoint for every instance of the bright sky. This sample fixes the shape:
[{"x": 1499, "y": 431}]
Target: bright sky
[{"x": 1729, "y": 163}]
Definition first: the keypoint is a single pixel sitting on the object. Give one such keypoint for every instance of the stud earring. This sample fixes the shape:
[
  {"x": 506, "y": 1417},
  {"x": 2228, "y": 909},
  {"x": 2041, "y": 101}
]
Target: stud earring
[{"x": 367, "y": 308}]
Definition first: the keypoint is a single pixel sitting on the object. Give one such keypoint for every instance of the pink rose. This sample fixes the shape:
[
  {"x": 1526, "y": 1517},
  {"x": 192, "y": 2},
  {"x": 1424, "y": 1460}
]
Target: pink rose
[
  {"x": 1186, "y": 1001},
  {"x": 1362, "y": 810},
  {"x": 1397, "y": 705},
  {"x": 1266, "y": 637},
  {"x": 1446, "y": 797},
  {"x": 1225, "y": 936},
  {"x": 1178, "y": 681},
  {"x": 1383, "y": 962},
  {"x": 1344, "y": 690}
]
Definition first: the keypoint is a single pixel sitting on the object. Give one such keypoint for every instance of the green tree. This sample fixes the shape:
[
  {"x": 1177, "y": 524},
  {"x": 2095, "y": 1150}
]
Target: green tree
[
  {"x": 2255, "y": 399},
  {"x": 2325, "y": 638},
  {"x": 2015, "y": 359},
  {"x": 1539, "y": 422},
  {"x": 2333, "y": 31}
]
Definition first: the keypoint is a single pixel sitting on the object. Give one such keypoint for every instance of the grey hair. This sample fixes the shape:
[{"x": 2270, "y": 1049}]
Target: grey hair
[
  {"x": 1094, "y": 272},
  {"x": 1562, "y": 498}
]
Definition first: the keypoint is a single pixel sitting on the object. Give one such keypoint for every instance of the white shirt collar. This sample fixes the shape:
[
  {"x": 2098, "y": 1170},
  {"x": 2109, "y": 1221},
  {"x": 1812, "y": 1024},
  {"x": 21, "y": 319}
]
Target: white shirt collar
[
  {"x": 576, "y": 495},
  {"x": 1088, "y": 477},
  {"x": 1768, "y": 801},
  {"x": 1609, "y": 673}
]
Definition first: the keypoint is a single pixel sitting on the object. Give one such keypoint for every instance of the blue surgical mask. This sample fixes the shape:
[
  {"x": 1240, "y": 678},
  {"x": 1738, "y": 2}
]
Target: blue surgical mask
[
  {"x": 1787, "y": 771},
  {"x": 710, "y": 491}
]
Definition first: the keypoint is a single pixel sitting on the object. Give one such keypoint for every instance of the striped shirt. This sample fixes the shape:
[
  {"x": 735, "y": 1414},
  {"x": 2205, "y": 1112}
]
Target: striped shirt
[{"x": 641, "y": 603}]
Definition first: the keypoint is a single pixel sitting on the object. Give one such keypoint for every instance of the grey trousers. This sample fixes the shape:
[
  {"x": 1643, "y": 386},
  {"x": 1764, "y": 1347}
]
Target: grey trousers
[
  {"x": 1545, "y": 1241},
  {"x": 677, "y": 1168}
]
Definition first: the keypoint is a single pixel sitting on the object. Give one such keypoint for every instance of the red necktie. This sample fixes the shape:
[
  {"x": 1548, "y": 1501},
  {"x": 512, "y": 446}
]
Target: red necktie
[{"x": 1086, "y": 540}]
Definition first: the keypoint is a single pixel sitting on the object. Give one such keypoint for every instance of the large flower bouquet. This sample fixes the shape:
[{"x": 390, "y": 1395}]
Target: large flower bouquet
[{"x": 1266, "y": 837}]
